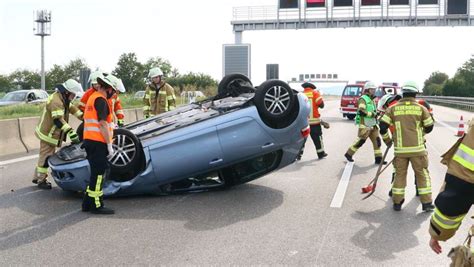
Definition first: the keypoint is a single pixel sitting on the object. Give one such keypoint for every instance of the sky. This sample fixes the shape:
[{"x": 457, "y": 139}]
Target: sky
[{"x": 190, "y": 34}]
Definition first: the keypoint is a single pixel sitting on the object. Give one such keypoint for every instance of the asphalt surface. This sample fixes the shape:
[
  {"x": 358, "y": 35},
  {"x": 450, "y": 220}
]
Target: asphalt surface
[{"x": 283, "y": 218}]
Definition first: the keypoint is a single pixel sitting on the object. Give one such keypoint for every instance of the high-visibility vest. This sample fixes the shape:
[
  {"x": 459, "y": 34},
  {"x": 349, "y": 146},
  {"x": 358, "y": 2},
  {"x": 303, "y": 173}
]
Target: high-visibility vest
[
  {"x": 315, "y": 99},
  {"x": 91, "y": 121},
  {"x": 370, "y": 107},
  {"x": 114, "y": 101}
]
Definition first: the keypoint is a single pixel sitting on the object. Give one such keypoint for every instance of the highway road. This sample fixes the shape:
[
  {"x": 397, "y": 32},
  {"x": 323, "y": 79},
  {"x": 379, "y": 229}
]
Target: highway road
[{"x": 309, "y": 213}]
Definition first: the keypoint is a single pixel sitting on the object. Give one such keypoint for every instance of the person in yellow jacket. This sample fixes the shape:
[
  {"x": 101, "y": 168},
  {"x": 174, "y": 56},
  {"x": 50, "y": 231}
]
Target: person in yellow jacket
[
  {"x": 457, "y": 194},
  {"x": 367, "y": 124},
  {"x": 159, "y": 96},
  {"x": 411, "y": 121},
  {"x": 53, "y": 127}
]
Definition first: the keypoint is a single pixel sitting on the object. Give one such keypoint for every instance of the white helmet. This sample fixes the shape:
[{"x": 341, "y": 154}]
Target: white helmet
[
  {"x": 73, "y": 86},
  {"x": 94, "y": 75},
  {"x": 120, "y": 86},
  {"x": 155, "y": 72},
  {"x": 410, "y": 87},
  {"x": 369, "y": 85},
  {"x": 110, "y": 80}
]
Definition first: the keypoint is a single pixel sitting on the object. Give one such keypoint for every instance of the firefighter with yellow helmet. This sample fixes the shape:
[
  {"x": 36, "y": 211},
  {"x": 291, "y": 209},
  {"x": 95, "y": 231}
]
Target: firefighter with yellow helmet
[
  {"x": 366, "y": 120},
  {"x": 457, "y": 195},
  {"x": 53, "y": 127},
  {"x": 159, "y": 95},
  {"x": 411, "y": 121}
]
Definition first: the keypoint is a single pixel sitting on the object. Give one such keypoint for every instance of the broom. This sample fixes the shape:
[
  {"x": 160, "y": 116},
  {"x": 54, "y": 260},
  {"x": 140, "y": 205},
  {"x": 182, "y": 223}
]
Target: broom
[{"x": 370, "y": 188}]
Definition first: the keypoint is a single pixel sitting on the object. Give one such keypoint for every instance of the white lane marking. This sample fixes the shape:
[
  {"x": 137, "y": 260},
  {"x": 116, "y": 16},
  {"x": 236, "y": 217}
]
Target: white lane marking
[
  {"x": 342, "y": 187},
  {"x": 18, "y": 159},
  {"x": 448, "y": 126}
]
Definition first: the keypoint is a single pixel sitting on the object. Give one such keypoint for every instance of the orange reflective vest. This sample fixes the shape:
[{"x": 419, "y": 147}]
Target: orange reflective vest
[
  {"x": 91, "y": 121},
  {"x": 316, "y": 100},
  {"x": 114, "y": 101}
]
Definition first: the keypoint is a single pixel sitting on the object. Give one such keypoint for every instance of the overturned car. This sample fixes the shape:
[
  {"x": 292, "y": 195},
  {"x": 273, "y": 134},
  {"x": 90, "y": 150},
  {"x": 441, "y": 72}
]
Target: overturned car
[{"x": 238, "y": 135}]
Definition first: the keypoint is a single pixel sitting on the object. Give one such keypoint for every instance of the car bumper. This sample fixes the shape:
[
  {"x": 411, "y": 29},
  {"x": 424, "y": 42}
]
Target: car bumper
[{"x": 348, "y": 110}]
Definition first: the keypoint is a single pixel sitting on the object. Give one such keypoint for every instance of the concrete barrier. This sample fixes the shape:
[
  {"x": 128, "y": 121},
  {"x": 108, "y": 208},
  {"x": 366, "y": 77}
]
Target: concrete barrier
[
  {"x": 130, "y": 115},
  {"x": 10, "y": 142},
  {"x": 18, "y": 135},
  {"x": 27, "y": 132}
]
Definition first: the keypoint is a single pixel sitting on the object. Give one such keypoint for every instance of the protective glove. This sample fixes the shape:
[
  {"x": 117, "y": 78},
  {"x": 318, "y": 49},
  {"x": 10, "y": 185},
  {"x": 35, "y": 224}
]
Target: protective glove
[
  {"x": 325, "y": 124},
  {"x": 73, "y": 136},
  {"x": 110, "y": 149},
  {"x": 120, "y": 123}
]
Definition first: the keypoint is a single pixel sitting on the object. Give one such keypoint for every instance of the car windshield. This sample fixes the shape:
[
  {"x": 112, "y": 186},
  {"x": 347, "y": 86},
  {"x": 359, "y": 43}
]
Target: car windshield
[
  {"x": 15, "y": 96},
  {"x": 379, "y": 92},
  {"x": 352, "y": 91}
]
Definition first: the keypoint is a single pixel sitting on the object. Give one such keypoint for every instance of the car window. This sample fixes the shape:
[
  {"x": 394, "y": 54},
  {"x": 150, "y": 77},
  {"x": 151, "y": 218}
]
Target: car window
[
  {"x": 379, "y": 92},
  {"x": 15, "y": 96},
  {"x": 351, "y": 91}
]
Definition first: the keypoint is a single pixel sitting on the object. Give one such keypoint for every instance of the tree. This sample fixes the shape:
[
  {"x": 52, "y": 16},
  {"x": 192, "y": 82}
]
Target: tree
[
  {"x": 73, "y": 68},
  {"x": 131, "y": 72},
  {"x": 6, "y": 84},
  {"x": 434, "y": 84},
  {"x": 55, "y": 76},
  {"x": 25, "y": 79},
  {"x": 193, "y": 81},
  {"x": 462, "y": 84},
  {"x": 59, "y": 74},
  {"x": 455, "y": 87},
  {"x": 164, "y": 65}
]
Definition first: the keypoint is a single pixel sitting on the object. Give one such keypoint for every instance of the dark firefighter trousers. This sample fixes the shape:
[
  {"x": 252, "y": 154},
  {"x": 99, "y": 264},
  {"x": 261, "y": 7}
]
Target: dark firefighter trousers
[
  {"x": 317, "y": 137},
  {"x": 97, "y": 157}
]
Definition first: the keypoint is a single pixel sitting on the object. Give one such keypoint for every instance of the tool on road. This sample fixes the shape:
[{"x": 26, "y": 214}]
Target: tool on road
[{"x": 370, "y": 188}]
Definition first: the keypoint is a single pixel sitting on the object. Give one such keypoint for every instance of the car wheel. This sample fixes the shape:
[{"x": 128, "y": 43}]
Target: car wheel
[
  {"x": 125, "y": 162},
  {"x": 235, "y": 84},
  {"x": 351, "y": 116},
  {"x": 276, "y": 103}
]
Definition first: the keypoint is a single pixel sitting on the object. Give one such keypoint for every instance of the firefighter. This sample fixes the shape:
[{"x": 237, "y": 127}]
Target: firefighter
[
  {"x": 115, "y": 100},
  {"x": 159, "y": 95},
  {"x": 457, "y": 194},
  {"x": 98, "y": 133},
  {"x": 366, "y": 120},
  {"x": 316, "y": 132},
  {"x": 411, "y": 120},
  {"x": 53, "y": 127}
]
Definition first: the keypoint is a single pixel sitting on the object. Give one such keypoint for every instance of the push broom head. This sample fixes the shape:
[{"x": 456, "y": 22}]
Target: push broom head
[{"x": 367, "y": 189}]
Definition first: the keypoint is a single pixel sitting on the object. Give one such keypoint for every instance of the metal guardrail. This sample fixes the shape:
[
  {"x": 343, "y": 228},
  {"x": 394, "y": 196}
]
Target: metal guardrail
[{"x": 466, "y": 103}]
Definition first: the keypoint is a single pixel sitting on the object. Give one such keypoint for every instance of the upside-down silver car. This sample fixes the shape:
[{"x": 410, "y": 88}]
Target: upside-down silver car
[{"x": 238, "y": 135}]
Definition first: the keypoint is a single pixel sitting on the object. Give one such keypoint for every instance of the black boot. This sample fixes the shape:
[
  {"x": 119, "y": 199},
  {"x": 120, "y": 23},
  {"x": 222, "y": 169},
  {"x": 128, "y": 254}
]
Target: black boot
[
  {"x": 87, "y": 203},
  {"x": 398, "y": 207},
  {"x": 322, "y": 155},
  {"x": 44, "y": 185},
  {"x": 349, "y": 157},
  {"x": 427, "y": 206},
  {"x": 378, "y": 160}
]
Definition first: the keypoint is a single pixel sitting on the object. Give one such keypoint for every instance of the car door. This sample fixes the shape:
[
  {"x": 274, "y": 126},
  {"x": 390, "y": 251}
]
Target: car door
[
  {"x": 243, "y": 138},
  {"x": 193, "y": 152}
]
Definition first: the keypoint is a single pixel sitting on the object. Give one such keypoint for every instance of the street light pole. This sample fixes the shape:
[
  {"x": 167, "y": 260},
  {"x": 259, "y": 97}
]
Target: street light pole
[{"x": 43, "y": 28}]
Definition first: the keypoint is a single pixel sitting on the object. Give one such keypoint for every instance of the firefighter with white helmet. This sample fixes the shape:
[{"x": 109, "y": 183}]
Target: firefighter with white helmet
[
  {"x": 53, "y": 127},
  {"x": 411, "y": 121},
  {"x": 119, "y": 115},
  {"x": 98, "y": 139},
  {"x": 366, "y": 120},
  {"x": 159, "y": 95}
]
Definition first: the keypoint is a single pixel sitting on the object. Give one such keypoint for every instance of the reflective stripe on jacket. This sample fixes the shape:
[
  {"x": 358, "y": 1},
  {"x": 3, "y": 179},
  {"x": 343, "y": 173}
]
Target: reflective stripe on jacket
[
  {"x": 114, "y": 102},
  {"x": 315, "y": 100},
  {"x": 461, "y": 164},
  {"x": 55, "y": 108},
  {"x": 91, "y": 121}
]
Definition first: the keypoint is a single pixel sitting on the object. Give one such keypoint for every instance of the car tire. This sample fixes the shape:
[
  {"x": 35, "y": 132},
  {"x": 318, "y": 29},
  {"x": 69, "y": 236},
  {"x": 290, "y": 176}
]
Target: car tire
[
  {"x": 276, "y": 103},
  {"x": 351, "y": 116},
  {"x": 235, "y": 84},
  {"x": 126, "y": 162}
]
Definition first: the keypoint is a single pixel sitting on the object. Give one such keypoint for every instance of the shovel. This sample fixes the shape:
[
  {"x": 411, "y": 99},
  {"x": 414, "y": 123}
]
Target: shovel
[{"x": 370, "y": 188}]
